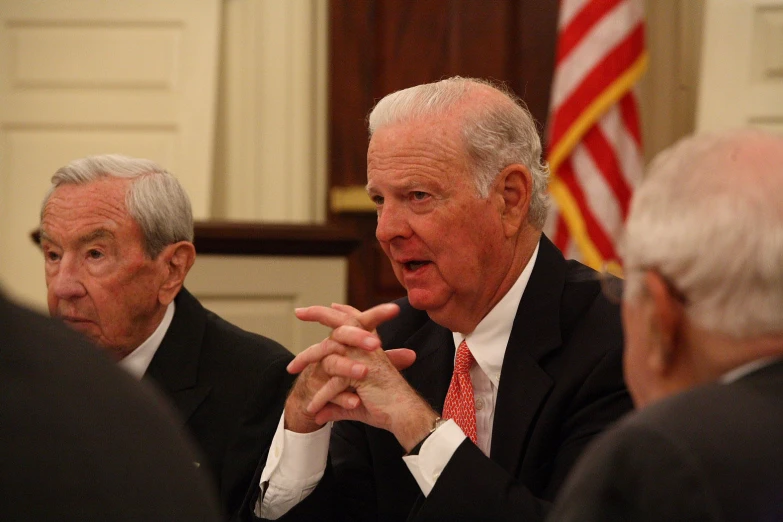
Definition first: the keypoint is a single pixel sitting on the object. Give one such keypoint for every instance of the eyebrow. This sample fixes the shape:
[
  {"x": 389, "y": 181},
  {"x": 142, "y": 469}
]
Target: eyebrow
[
  {"x": 100, "y": 233},
  {"x": 408, "y": 184}
]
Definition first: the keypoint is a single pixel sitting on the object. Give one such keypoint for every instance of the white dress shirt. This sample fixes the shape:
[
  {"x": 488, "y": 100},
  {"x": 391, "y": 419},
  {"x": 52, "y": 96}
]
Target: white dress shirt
[
  {"x": 137, "y": 362},
  {"x": 296, "y": 462}
]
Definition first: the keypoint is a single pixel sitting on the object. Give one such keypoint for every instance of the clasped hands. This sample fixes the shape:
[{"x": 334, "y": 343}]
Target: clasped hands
[{"x": 348, "y": 376}]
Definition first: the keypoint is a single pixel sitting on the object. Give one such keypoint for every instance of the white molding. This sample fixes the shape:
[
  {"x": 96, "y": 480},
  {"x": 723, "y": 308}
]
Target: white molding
[
  {"x": 271, "y": 145},
  {"x": 669, "y": 88}
]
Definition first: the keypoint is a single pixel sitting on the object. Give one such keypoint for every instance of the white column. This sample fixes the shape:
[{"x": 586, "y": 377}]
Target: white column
[{"x": 271, "y": 145}]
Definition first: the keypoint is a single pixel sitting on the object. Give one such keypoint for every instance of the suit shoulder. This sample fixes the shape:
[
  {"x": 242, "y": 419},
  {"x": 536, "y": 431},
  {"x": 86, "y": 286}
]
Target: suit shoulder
[
  {"x": 79, "y": 396},
  {"x": 233, "y": 341},
  {"x": 396, "y": 331},
  {"x": 220, "y": 336},
  {"x": 726, "y": 411},
  {"x": 700, "y": 423},
  {"x": 634, "y": 471},
  {"x": 582, "y": 284},
  {"x": 585, "y": 310}
]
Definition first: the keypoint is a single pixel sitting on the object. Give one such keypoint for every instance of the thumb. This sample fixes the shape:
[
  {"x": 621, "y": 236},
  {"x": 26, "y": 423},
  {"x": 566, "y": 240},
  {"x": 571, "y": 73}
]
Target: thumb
[
  {"x": 333, "y": 412},
  {"x": 370, "y": 319},
  {"x": 401, "y": 358}
]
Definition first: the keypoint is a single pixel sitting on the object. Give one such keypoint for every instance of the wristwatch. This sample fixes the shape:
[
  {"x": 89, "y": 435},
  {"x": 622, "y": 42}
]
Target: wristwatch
[{"x": 437, "y": 423}]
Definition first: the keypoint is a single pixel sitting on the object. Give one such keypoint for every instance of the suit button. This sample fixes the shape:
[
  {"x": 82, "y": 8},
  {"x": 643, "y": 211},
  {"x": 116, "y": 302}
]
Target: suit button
[{"x": 479, "y": 404}]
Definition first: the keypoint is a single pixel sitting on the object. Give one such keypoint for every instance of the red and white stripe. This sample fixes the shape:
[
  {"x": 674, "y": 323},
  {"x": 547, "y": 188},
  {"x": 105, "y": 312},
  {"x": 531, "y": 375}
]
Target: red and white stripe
[{"x": 594, "y": 139}]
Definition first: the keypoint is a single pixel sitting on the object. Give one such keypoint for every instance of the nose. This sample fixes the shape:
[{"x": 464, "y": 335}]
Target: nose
[
  {"x": 65, "y": 283},
  {"x": 392, "y": 223}
]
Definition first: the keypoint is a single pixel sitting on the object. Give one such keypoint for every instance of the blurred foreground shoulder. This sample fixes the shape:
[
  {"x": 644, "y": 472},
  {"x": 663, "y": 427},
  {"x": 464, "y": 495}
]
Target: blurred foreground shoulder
[{"x": 82, "y": 440}]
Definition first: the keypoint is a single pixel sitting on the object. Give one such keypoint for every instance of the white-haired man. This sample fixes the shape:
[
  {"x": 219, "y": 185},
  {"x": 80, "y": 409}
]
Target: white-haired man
[
  {"x": 703, "y": 315},
  {"x": 117, "y": 237},
  {"x": 455, "y": 171}
]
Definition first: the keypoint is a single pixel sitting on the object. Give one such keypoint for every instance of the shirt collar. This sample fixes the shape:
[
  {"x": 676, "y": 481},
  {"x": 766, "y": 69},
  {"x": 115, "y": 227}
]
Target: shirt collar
[
  {"x": 741, "y": 371},
  {"x": 137, "y": 362},
  {"x": 489, "y": 340}
]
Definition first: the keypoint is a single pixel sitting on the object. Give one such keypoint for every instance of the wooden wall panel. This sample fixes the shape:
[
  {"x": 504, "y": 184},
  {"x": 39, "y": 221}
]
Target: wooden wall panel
[{"x": 379, "y": 46}]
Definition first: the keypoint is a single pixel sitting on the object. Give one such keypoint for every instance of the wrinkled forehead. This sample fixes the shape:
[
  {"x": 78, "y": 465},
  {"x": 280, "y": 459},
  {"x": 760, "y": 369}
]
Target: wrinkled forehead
[
  {"x": 426, "y": 137},
  {"x": 411, "y": 150},
  {"x": 445, "y": 125},
  {"x": 103, "y": 199}
]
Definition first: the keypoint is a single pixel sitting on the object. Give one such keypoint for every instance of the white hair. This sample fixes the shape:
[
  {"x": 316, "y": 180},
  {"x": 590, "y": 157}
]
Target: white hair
[
  {"x": 496, "y": 134},
  {"x": 155, "y": 199},
  {"x": 708, "y": 217}
]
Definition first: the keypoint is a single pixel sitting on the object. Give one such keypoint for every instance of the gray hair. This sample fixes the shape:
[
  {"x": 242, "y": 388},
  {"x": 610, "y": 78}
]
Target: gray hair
[
  {"x": 708, "y": 218},
  {"x": 155, "y": 199},
  {"x": 496, "y": 134}
]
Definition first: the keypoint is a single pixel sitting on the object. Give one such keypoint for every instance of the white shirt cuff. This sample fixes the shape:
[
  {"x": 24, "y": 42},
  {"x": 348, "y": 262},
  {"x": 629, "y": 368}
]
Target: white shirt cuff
[
  {"x": 294, "y": 466},
  {"x": 435, "y": 453}
]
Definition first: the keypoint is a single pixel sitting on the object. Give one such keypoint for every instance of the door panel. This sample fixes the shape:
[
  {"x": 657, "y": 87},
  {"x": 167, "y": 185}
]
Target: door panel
[
  {"x": 80, "y": 77},
  {"x": 742, "y": 73}
]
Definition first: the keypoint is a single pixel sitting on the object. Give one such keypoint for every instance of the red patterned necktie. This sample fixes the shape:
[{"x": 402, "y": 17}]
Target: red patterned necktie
[{"x": 459, "y": 399}]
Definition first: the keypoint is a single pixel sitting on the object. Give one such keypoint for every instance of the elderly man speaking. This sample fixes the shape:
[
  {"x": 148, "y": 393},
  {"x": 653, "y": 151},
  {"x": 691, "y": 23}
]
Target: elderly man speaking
[
  {"x": 703, "y": 313},
  {"x": 116, "y": 234},
  {"x": 517, "y": 353}
]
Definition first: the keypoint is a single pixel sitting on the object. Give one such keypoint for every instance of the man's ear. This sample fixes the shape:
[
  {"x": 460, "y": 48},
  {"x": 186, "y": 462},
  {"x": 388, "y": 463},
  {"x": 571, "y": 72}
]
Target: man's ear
[
  {"x": 176, "y": 259},
  {"x": 514, "y": 185},
  {"x": 668, "y": 316}
]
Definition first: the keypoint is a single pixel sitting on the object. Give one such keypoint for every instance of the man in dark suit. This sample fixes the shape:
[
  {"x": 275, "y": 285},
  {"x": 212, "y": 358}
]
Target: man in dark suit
[
  {"x": 703, "y": 315},
  {"x": 117, "y": 236},
  {"x": 517, "y": 353},
  {"x": 80, "y": 440}
]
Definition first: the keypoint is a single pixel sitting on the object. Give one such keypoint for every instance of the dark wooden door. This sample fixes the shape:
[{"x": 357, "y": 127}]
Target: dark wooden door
[{"x": 380, "y": 46}]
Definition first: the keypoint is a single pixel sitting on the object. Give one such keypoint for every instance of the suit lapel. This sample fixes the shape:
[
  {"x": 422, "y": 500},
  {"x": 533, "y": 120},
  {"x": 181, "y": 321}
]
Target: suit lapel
[
  {"x": 523, "y": 384},
  {"x": 175, "y": 365},
  {"x": 431, "y": 374}
]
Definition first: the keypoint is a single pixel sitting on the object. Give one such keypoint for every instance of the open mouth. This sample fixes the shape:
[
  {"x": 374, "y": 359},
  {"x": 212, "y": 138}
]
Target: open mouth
[{"x": 415, "y": 265}]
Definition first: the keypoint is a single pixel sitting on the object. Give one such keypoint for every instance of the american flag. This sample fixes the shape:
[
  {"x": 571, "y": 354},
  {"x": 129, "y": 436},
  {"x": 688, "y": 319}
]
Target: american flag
[{"x": 594, "y": 136}]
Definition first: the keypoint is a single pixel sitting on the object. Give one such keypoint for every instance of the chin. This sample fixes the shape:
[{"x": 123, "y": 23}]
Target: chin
[
  {"x": 86, "y": 329},
  {"x": 423, "y": 299}
]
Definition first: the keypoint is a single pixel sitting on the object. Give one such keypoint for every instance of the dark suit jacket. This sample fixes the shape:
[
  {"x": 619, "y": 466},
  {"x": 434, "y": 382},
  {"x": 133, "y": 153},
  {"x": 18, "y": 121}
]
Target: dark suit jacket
[
  {"x": 714, "y": 453},
  {"x": 80, "y": 440},
  {"x": 229, "y": 386},
  {"x": 561, "y": 384}
]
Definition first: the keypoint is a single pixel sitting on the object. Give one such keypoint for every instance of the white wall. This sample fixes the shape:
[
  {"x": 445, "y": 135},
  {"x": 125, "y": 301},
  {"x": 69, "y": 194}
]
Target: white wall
[
  {"x": 80, "y": 77},
  {"x": 742, "y": 65}
]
